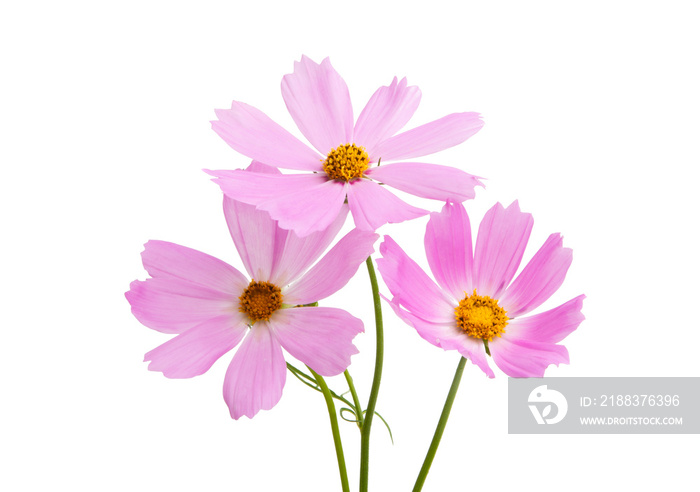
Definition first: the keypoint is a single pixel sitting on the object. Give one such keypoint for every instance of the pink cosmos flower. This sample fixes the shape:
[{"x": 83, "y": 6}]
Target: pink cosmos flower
[
  {"x": 474, "y": 308},
  {"x": 345, "y": 164},
  {"x": 211, "y": 306}
]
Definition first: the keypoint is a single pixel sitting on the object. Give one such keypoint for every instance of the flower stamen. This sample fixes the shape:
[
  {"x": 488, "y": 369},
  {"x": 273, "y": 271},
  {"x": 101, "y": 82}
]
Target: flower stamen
[
  {"x": 481, "y": 317},
  {"x": 259, "y": 300},
  {"x": 346, "y": 162}
]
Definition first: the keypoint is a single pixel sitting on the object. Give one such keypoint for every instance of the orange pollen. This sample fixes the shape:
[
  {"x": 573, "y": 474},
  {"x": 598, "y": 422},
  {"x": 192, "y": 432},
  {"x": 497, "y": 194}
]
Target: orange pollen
[
  {"x": 481, "y": 317},
  {"x": 346, "y": 162},
  {"x": 259, "y": 300}
]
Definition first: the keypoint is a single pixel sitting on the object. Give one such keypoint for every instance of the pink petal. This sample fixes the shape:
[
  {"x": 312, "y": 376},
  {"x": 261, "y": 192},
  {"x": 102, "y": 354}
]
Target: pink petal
[
  {"x": 432, "y": 332},
  {"x": 372, "y": 206},
  {"x": 303, "y": 202},
  {"x": 540, "y": 278},
  {"x": 259, "y": 167},
  {"x": 319, "y": 102},
  {"x": 162, "y": 259},
  {"x": 412, "y": 287},
  {"x": 255, "y": 187},
  {"x": 334, "y": 270},
  {"x": 320, "y": 337},
  {"x": 472, "y": 349},
  {"x": 427, "y": 139},
  {"x": 308, "y": 210},
  {"x": 550, "y": 326},
  {"x": 193, "y": 352},
  {"x": 448, "y": 246},
  {"x": 268, "y": 252},
  {"x": 387, "y": 111},
  {"x": 172, "y": 305},
  {"x": 256, "y": 376},
  {"x": 500, "y": 244},
  {"x": 447, "y": 336},
  {"x": 524, "y": 358},
  {"x": 253, "y": 232},
  {"x": 427, "y": 180},
  {"x": 252, "y": 133},
  {"x": 294, "y": 255}
]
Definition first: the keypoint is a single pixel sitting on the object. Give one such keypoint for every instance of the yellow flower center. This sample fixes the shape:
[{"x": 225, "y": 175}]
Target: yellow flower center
[
  {"x": 259, "y": 300},
  {"x": 481, "y": 317},
  {"x": 346, "y": 162}
]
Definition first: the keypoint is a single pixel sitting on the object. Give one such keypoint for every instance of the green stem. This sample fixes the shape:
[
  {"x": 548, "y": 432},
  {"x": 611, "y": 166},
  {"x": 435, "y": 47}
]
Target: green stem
[
  {"x": 311, "y": 383},
  {"x": 358, "y": 407},
  {"x": 379, "y": 361},
  {"x": 440, "y": 426},
  {"x": 336, "y": 431},
  {"x": 300, "y": 374}
]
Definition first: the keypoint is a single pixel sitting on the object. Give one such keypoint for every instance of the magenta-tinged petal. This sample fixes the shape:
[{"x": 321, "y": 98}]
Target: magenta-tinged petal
[
  {"x": 172, "y": 305},
  {"x": 524, "y": 358},
  {"x": 256, "y": 376},
  {"x": 373, "y": 206},
  {"x": 473, "y": 350},
  {"x": 411, "y": 286},
  {"x": 334, "y": 270},
  {"x": 303, "y": 202},
  {"x": 255, "y": 187},
  {"x": 252, "y": 133},
  {"x": 446, "y": 336},
  {"x": 294, "y": 255},
  {"x": 308, "y": 210},
  {"x": 270, "y": 253},
  {"x": 427, "y": 139},
  {"x": 550, "y": 326},
  {"x": 540, "y": 278},
  {"x": 193, "y": 352},
  {"x": 320, "y": 337},
  {"x": 448, "y": 246},
  {"x": 253, "y": 232},
  {"x": 427, "y": 180},
  {"x": 162, "y": 259},
  {"x": 500, "y": 244},
  {"x": 387, "y": 111},
  {"x": 262, "y": 168},
  {"x": 433, "y": 332},
  {"x": 319, "y": 102}
]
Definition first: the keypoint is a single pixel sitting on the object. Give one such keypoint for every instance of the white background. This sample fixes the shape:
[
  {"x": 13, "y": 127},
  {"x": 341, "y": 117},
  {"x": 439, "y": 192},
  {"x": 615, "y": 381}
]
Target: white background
[{"x": 591, "y": 113}]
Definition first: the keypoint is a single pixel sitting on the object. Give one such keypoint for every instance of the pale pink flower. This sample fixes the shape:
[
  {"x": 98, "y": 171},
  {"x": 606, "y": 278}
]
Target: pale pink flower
[
  {"x": 474, "y": 304},
  {"x": 344, "y": 164},
  {"x": 212, "y": 306}
]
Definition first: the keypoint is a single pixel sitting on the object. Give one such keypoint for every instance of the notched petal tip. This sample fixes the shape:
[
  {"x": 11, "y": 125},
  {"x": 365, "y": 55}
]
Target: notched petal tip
[
  {"x": 387, "y": 243},
  {"x": 132, "y": 293}
]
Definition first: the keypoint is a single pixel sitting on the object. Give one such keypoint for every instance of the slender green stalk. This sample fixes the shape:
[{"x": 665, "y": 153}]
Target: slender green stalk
[
  {"x": 440, "y": 426},
  {"x": 301, "y": 375},
  {"x": 358, "y": 406},
  {"x": 336, "y": 431},
  {"x": 374, "y": 392},
  {"x": 311, "y": 383}
]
